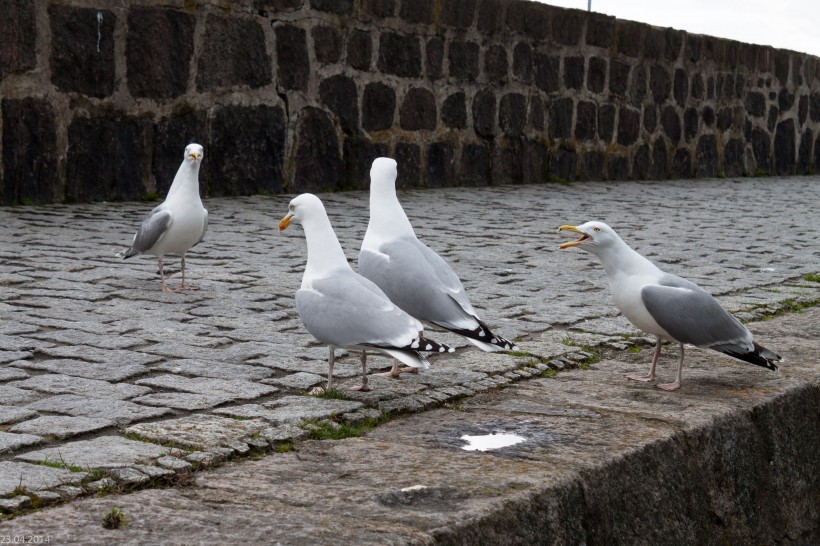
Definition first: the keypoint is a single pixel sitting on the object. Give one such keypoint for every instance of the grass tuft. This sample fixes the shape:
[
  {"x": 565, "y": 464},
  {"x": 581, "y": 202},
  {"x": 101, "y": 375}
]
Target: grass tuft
[
  {"x": 115, "y": 519},
  {"x": 328, "y": 430}
]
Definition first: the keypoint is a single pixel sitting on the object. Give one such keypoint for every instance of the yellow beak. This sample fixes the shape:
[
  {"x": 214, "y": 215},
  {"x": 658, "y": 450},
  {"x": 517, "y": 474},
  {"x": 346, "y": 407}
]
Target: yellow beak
[
  {"x": 285, "y": 222},
  {"x": 194, "y": 155},
  {"x": 576, "y": 242}
]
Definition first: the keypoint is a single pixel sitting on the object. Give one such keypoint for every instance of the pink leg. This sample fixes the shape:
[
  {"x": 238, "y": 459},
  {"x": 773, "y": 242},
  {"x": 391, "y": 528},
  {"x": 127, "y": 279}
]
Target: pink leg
[
  {"x": 676, "y": 385},
  {"x": 184, "y": 286},
  {"x": 655, "y": 357},
  {"x": 162, "y": 276},
  {"x": 363, "y": 387},
  {"x": 395, "y": 372}
]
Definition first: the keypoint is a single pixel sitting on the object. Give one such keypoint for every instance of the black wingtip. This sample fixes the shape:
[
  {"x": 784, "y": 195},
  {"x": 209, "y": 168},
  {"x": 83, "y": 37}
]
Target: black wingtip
[{"x": 760, "y": 356}]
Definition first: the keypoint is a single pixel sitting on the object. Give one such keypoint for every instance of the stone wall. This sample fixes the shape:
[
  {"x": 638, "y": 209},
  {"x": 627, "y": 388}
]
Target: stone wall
[{"x": 100, "y": 97}]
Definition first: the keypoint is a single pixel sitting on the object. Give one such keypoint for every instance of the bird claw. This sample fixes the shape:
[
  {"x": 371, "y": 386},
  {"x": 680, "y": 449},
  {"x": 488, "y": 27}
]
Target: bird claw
[
  {"x": 361, "y": 388},
  {"x": 185, "y": 287},
  {"x": 642, "y": 378},
  {"x": 669, "y": 386}
]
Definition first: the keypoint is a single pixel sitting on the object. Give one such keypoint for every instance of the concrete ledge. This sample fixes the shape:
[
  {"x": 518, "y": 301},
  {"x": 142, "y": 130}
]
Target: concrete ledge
[{"x": 733, "y": 458}]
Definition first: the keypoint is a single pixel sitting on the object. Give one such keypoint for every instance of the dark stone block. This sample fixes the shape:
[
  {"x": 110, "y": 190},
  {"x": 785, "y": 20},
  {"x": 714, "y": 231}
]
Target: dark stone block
[
  {"x": 381, "y": 8},
  {"x": 785, "y": 99},
  {"x": 441, "y": 165},
  {"x": 781, "y": 66},
  {"x": 458, "y": 13},
  {"x": 546, "y": 73},
  {"x": 670, "y": 121},
  {"x": 691, "y": 118},
  {"x": 771, "y": 120},
  {"x": 706, "y": 157},
  {"x": 784, "y": 147},
  {"x": 802, "y": 109},
  {"x": 454, "y": 111},
  {"x": 537, "y": 113},
  {"x": 530, "y": 19},
  {"x": 417, "y": 11},
  {"x": 762, "y": 150},
  {"x": 30, "y": 164},
  {"x": 567, "y": 27},
  {"x": 697, "y": 86},
  {"x": 734, "y": 158},
  {"x": 804, "y": 152},
  {"x": 169, "y": 139},
  {"x": 359, "y": 50},
  {"x": 692, "y": 49},
  {"x": 682, "y": 164},
  {"x": 18, "y": 27},
  {"x": 292, "y": 58},
  {"x": 672, "y": 43},
  {"x": 596, "y": 75},
  {"x": 327, "y": 43},
  {"x": 592, "y": 165},
  {"x": 495, "y": 64},
  {"x": 618, "y": 168},
  {"x": 507, "y": 163},
  {"x": 710, "y": 88},
  {"x": 650, "y": 118},
  {"x": 490, "y": 16},
  {"x": 637, "y": 93},
  {"x": 107, "y": 159},
  {"x": 358, "y": 155},
  {"x": 236, "y": 55},
  {"x": 681, "y": 87},
  {"x": 725, "y": 120},
  {"x": 434, "y": 51},
  {"x": 339, "y": 7},
  {"x": 659, "y": 170},
  {"x": 630, "y": 35},
  {"x": 240, "y": 133},
  {"x": 641, "y": 162},
  {"x": 618, "y": 77},
  {"x": 600, "y": 30},
  {"x": 586, "y": 126},
  {"x": 475, "y": 165},
  {"x": 512, "y": 114},
  {"x": 560, "y": 118},
  {"x": 755, "y": 104},
  {"x": 797, "y": 69},
  {"x": 563, "y": 164},
  {"x": 378, "y": 106},
  {"x": 573, "y": 72},
  {"x": 278, "y": 5},
  {"x": 463, "y": 59},
  {"x": 814, "y": 106},
  {"x": 654, "y": 41},
  {"x": 82, "y": 50},
  {"x": 534, "y": 162},
  {"x": 340, "y": 95},
  {"x": 659, "y": 83},
  {"x": 606, "y": 122},
  {"x": 484, "y": 113},
  {"x": 817, "y": 155},
  {"x": 522, "y": 62},
  {"x": 408, "y": 158},
  {"x": 708, "y": 116},
  {"x": 629, "y": 126},
  {"x": 318, "y": 162},
  {"x": 399, "y": 55},
  {"x": 418, "y": 110}
]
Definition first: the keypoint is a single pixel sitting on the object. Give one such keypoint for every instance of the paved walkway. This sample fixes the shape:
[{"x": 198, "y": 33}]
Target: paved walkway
[{"x": 106, "y": 383}]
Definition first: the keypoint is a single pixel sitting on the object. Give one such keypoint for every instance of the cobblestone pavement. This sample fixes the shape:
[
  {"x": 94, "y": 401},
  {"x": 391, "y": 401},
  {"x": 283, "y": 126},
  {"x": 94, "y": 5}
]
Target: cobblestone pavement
[{"x": 106, "y": 382}]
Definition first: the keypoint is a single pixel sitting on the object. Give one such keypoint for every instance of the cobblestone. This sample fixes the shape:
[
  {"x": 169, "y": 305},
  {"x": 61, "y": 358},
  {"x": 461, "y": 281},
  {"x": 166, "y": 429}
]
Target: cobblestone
[{"x": 89, "y": 345}]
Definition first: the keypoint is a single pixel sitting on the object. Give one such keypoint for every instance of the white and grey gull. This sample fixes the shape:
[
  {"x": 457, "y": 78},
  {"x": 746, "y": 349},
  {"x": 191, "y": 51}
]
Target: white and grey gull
[
  {"x": 665, "y": 305},
  {"x": 178, "y": 223},
  {"x": 412, "y": 275},
  {"x": 341, "y": 308}
]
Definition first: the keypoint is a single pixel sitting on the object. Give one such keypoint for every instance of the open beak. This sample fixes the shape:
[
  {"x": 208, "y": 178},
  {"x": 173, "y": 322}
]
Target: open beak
[
  {"x": 285, "y": 222},
  {"x": 584, "y": 237}
]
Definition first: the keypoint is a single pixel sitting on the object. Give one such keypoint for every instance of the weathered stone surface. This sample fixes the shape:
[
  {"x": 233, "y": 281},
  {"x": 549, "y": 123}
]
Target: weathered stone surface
[
  {"x": 682, "y": 163},
  {"x": 532, "y": 20},
  {"x": 563, "y": 165},
  {"x": 359, "y": 49},
  {"x": 706, "y": 157},
  {"x": 573, "y": 72},
  {"x": 298, "y": 380},
  {"x": 158, "y": 52},
  {"x": 650, "y": 118},
  {"x": 61, "y": 427},
  {"x": 596, "y": 74},
  {"x": 237, "y": 389},
  {"x": 434, "y": 55},
  {"x": 220, "y": 370},
  {"x": 11, "y": 414},
  {"x": 318, "y": 161},
  {"x": 293, "y": 409},
  {"x": 184, "y": 400},
  {"x": 586, "y": 117},
  {"x": 618, "y": 77},
  {"x": 454, "y": 111},
  {"x": 408, "y": 158},
  {"x": 82, "y": 50},
  {"x": 293, "y": 64},
  {"x": 65, "y": 384},
  {"x": 638, "y": 89},
  {"x": 600, "y": 30},
  {"x": 339, "y": 7},
  {"x": 90, "y": 370},
  {"x": 484, "y": 113},
  {"x": 30, "y": 173},
  {"x": 629, "y": 125},
  {"x": 399, "y": 55},
  {"x": 10, "y": 442},
  {"x": 441, "y": 158},
  {"x": 327, "y": 44},
  {"x": 784, "y": 147},
  {"x": 490, "y": 16},
  {"x": 592, "y": 166},
  {"x": 606, "y": 122},
  {"x": 34, "y": 477},
  {"x": 546, "y": 72},
  {"x": 522, "y": 65},
  {"x": 418, "y": 110},
  {"x": 761, "y": 147},
  {"x": 690, "y": 124},
  {"x": 680, "y": 87},
  {"x": 560, "y": 118},
  {"x": 630, "y": 35},
  {"x": 463, "y": 58},
  {"x": 734, "y": 158},
  {"x": 641, "y": 163},
  {"x": 659, "y": 83},
  {"x": 198, "y": 431},
  {"x": 340, "y": 95},
  {"x": 458, "y": 14},
  {"x": 670, "y": 122},
  {"x": 618, "y": 168},
  {"x": 378, "y": 106},
  {"x": 512, "y": 114},
  {"x": 566, "y": 27},
  {"x": 804, "y": 152},
  {"x": 381, "y": 8},
  {"x": 18, "y": 27},
  {"x": 100, "y": 452},
  {"x": 495, "y": 63},
  {"x": 755, "y": 104},
  {"x": 475, "y": 165},
  {"x": 120, "y": 412}
]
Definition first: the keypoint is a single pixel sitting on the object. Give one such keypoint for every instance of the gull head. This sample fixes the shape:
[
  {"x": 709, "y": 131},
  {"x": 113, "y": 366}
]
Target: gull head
[
  {"x": 194, "y": 152},
  {"x": 383, "y": 171},
  {"x": 301, "y": 208},
  {"x": 594, "y": 235}
]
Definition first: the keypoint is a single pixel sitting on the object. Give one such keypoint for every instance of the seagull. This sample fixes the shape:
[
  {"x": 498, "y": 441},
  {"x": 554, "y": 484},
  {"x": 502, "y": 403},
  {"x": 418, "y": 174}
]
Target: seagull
[
  {"x": 341, "y": 308},
  {"x": 178, "y": 223},
  {"x": 412, "y": 275},
  {"x": 665, "y": 305}
]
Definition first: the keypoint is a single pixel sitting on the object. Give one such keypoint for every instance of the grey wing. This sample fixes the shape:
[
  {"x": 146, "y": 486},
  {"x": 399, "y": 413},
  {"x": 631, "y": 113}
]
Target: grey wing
[
  {"x": 691, "y": 315},
  {"x": 154, "y": 226},
  {"x": 416, "y": 279},
  {"x": 347, "y": 309}
]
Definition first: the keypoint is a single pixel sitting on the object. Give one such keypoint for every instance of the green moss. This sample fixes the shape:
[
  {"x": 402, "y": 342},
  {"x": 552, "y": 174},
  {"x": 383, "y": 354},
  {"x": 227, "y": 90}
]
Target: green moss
[
  {"x": 549, "y": 373},
  {"x": 635, "y": 349},
  {"x": 518, "y": 353},
  {"x": 151, "y": 196},
  {"x": 325, "y": 430},
  {"x": 115, "y": 519},
  {"x": 812, "y": 277},
  {"x": 283, "y": 447},
  {"x": 332, "y": 394}
]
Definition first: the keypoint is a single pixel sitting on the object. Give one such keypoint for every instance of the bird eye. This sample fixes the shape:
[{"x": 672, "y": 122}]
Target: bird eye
[
  {"x": 596, "y": 229},
  {"x": 290, "y": 207}
]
